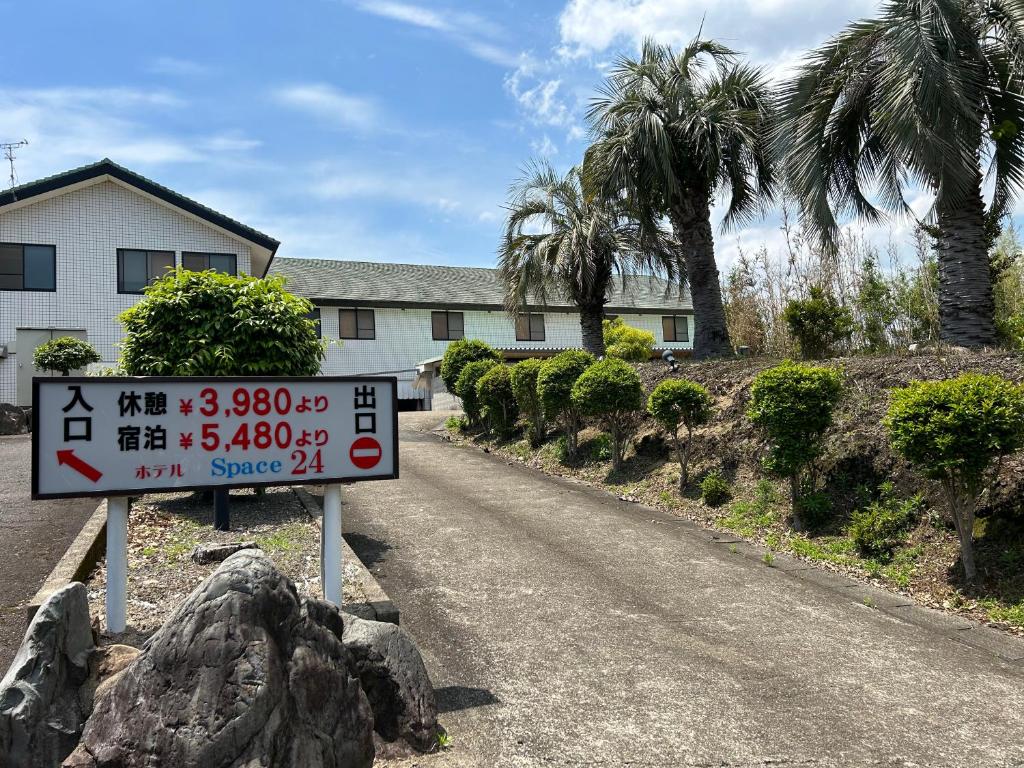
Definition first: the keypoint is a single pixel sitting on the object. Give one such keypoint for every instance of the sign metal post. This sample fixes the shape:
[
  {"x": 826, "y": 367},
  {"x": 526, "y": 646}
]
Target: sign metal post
[
  {"x": 117, "y": 563},
  {"x": 331, "y": 533}
]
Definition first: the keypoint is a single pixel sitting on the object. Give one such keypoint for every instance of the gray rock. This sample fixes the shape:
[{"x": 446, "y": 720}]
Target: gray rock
[
  {"x": 217, "y": 553},
  {"x": 13, "y": 420},
  {"x": 105, "y": 665},
  {"x": 395, "y": 679},
  {"x": 41, "y": 715},
  {"x": 243, "y": 673}
]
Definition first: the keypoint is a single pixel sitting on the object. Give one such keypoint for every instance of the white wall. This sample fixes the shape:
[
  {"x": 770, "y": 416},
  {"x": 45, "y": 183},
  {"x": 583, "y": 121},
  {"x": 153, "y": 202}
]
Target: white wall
[
  {"x": 403, "y": 339},
  {"x": 88, "y": 226}
]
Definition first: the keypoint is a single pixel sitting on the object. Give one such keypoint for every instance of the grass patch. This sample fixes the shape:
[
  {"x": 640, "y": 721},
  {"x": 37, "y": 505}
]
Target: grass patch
[
  {"x": 748, "y": 518},
  {"x": 287, "y": 539},
  {"x": 1008, "y": 614}
]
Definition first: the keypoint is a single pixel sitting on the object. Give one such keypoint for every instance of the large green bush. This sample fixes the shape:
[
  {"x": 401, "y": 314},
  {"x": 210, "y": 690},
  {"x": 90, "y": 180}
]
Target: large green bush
[
  {"x": 881, "y": 526},
  {"x": 497, "y": 401},
  {"x": 459, "y": 354},
  {"x": 953, "y": 431},
  {"x": 676, "y": 403},
  {"x": 610, "y": 390},
  {"x": 714, "y": 489},
  {"x": 64, "y": 354},
  {"x": 554, "y": 386},
  {"x": 626, "y": 342},
  {"x": 465, "y": 387},
  {"x": 818, "y": 323},
  {"x": 792, "y": 405},
  {"x": 524, "y": 387},
  {"x": 211, "y": 324}
]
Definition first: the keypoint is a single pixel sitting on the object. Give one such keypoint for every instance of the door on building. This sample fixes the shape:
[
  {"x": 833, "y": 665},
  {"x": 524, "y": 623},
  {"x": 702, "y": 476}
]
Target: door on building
[{"x": 25, "y": 343}]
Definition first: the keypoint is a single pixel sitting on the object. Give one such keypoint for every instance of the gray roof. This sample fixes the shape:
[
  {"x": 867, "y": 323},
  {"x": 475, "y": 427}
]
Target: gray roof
[{"x": 375, "y": 284}]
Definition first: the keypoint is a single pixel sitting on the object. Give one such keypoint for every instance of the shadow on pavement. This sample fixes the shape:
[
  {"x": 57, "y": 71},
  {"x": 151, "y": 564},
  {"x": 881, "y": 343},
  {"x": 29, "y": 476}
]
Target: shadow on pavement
[{"x": 453, "y": 698}]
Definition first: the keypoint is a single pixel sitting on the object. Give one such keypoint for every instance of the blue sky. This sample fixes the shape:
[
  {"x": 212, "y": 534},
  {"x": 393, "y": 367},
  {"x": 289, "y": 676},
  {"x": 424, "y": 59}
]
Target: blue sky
[{"x": 358, "y": 129}]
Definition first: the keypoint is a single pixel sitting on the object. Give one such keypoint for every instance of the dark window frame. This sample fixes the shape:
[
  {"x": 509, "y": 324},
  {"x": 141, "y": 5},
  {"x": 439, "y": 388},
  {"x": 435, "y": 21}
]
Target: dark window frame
[
  {"x": 149, "y": 278},
  {"x": 359, "y": 329},
  {"x": 206, "y": 255},
  {"x": 675, "y": 328},
  {"x": 33, "y": 245},
  {"x": 316, "y": 316},
  {"x": 529, "y": 318},
  {"x": 447, "y": 325}
]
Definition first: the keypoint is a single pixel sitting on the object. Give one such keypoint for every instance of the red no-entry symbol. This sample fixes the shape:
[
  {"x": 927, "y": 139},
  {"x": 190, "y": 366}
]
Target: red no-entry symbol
[{"x": 365, "y": 453}]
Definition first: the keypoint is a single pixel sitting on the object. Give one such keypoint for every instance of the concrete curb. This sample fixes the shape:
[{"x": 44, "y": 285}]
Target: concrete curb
[
  {"x": 89, "y": 546},
  {"x": 381, "y": 606}
]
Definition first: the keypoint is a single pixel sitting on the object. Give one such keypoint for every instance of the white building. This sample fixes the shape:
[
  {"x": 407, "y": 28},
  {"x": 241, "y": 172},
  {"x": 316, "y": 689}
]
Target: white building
[{"x": 77, "y": 248}]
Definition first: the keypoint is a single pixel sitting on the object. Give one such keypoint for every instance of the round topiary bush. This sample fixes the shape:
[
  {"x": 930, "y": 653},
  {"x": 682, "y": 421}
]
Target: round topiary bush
[
  {"x": 465, "y": 387},
  {"x": 675, "y": 403},
  {"x": 626, "y": 342},
  {"x": 953, "y": 431},
  {"x": 458, "y": 355},
  {"x": 524, "y": 387},
  {"x": 554, "y": 387},
  {"x": 211, "y": 324},
  {"x": 64, "y": 354},
  {"x": 497, "y": 400},
  {"x": 792, "y": 405},
  {"x": 818, "y": 323},
  {"x": 610, "y": 390},
  {"x": 714, "y": 489}
]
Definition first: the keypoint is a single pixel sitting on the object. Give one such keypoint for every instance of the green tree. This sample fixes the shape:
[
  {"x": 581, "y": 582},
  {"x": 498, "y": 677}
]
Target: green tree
[
  {"x": 874, "y": 305},
  {"x": 64, "y": 354},
  {"x": 497, "y": 400},
  {"x": 211, "y": 324},
  {"x": 676, "y": 403},
  {"x": 917, "y": 96},
  {"x": 555, "y": 381},
  {"x": 626, "y": 342},
  {"x": 560, "y": 242},
  {"x": 818, "y": 323},
  {"x": 955, "y": 431},
  {"x": 610, "y": 390},
  {"x": 792, "y": 405},
  {"x": 459, "y": 354},
  {"x": 676, "y": 130},
  {"x": 466, "y": 391},
  {"x": 524, "y": 387}
]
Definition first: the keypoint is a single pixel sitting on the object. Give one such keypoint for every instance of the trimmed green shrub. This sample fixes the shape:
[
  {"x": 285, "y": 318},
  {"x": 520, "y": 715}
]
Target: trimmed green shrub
[
  {"x": 792, "y": 405},
  {"x": 883, "y": 525},
  {"x": 554, "y": 387},
  {"x": 675, "y": 403},
  {"x": 814, "y": 508},
  {"x": 626, "y": 342},
  {"x": 497, "y": 401},
  {"x": 953, "y": 431},
  {"x": 524, "y": 386},
  {"x": 459, "y": 354},
  {"x": 465, "y": 388},
  {"x": 714, "y": 489},
  {"x": 211, "y": 324},
  {"x": 610, "y": 390},
  {"x": 818, "y": 323},
  {"x": 64, "y": 354}
]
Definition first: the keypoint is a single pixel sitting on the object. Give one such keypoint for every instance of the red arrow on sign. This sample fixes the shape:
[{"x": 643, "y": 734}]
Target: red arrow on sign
[{"x": 87, "y": 470}]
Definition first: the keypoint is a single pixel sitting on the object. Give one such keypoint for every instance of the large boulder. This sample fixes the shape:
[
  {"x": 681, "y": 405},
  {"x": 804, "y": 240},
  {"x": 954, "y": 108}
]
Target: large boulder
[
  {"x": 41, "y": 713},
  {"x": 395, "y": 679},
  {"x": 13, "y": 420},
  {"x": 244, "y": 673}
]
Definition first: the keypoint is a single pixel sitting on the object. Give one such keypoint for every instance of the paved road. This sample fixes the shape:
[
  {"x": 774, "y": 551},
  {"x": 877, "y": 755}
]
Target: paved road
[
  {"x": 33, "y": 536},
  {"x": 564, "y": 627}
]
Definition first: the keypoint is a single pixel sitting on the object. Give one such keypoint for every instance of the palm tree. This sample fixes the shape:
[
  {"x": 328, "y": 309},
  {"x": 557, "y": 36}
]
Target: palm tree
[
  {"x": 560, "y": 242},
  {"x": 675, "y": 130},
  {"x": 922, "y": 96}
]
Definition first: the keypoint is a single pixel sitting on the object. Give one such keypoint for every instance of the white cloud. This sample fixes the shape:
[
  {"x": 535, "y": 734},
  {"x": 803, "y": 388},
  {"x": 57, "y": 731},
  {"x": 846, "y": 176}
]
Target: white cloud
[
  {"x": 332, "y": 105},
  {"x": 231, "y": 142},
  {"x": 544, "y": 147}
]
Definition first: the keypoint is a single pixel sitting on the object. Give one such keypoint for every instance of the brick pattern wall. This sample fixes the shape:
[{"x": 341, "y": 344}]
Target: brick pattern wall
[{"x": 88, "y": 226}]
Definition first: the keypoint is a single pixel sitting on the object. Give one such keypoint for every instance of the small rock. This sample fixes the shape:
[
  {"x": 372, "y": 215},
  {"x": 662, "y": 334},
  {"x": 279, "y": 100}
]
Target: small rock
[
  {"x": 13, "y": 420},
  {"x": 218, "y": 553}
]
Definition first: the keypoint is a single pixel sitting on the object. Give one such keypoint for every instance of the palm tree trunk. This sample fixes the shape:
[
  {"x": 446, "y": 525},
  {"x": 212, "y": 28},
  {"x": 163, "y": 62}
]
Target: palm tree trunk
[
  {"x": 691, "y": 223},
  {"x": 966, "y": 306},
  {"x": 593, "y": 332}
]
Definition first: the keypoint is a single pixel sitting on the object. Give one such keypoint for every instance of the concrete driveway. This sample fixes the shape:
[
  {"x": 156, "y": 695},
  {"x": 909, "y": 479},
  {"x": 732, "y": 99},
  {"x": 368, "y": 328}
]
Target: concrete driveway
[
  {"x": 564, "y": 627},
  {"x": 33, "y": 536}
]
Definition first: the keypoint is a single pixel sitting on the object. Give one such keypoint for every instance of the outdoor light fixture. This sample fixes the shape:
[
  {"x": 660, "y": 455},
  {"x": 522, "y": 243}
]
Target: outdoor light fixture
[{"x": 670, "y": 360}]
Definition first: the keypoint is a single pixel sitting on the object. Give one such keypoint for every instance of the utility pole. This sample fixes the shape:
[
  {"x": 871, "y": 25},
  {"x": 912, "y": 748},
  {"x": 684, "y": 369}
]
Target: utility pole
[{"x": 8, "y": 148}]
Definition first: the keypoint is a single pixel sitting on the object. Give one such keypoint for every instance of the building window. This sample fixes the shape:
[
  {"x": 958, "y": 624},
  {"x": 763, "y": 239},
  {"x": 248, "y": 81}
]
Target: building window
[
  {"x": 315, "y": 317},
  {"x": 137, "y": 269},
  {"x": 530, "y": 327},
  {"x": 227, "y": 263},
  {"x": 675, "y": 328},
  {"x": 357, "y": 324},
  {"x": 447, "y": 326},
  {"x": 28, "y": 267}
]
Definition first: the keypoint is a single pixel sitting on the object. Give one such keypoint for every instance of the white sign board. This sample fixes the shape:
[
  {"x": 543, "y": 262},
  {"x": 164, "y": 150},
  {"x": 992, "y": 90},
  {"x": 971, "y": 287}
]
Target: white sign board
[{"x": 100, "y": 436}]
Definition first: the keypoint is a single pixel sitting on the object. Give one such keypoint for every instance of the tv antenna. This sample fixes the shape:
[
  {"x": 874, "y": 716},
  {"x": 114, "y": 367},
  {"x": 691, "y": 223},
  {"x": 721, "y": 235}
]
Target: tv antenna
[{"x": 8, "y": 148}]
